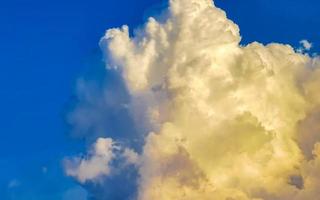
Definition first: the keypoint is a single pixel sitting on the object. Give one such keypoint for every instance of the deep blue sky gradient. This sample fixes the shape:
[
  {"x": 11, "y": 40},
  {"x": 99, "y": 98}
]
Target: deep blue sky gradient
[{"x": 45, "y": 46}]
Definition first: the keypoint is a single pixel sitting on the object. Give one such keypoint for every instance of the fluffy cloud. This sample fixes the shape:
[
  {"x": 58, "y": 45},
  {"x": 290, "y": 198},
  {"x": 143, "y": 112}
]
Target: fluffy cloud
[
  {"x": 221, "y": 120},
  {"x": 97, "y": 163},
  {"x": 306, "y": 44}
]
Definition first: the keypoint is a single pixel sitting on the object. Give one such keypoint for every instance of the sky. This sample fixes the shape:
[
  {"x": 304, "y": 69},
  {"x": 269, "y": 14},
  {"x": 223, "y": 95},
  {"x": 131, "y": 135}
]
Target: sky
[{"x": 50, "y": 51}]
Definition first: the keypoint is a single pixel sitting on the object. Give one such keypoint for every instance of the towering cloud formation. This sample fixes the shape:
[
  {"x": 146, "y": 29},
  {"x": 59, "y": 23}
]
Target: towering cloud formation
[{"x": 222, "y": 121}]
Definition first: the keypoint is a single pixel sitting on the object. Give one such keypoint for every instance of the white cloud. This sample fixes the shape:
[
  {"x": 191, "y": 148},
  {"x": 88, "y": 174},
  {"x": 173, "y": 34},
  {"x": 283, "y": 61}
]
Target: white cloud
[
  {"x": 225, "y": 120},
  {"x": 130, "y": 156},
  {"x": 97, "y": 163},
  {"x": 306, "y": 44}
]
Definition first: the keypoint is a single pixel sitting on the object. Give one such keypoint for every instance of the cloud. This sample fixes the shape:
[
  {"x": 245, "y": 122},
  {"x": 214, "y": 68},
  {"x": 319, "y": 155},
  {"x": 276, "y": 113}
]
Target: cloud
[
  {"x": 97, "y": 163},
  {"x": 130, "y": 156},
  {"x": 100, "y": 109},
  {"x": 219, "y": 120},
  {"x": 306, "y": 44}
]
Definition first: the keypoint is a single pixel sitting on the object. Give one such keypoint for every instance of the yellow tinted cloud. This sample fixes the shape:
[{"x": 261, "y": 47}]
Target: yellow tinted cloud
[{"x": 228, "y": 122}]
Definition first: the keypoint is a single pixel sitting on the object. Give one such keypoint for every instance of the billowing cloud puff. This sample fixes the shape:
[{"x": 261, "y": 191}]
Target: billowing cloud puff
[
  {"x": 97, "y": 163},
  {"x": 306, "y": 44},
  {"x": 223, "y": 121}
]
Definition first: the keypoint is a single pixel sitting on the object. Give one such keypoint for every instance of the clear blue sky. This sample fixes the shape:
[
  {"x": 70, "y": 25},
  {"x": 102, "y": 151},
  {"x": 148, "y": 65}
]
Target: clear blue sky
[{"x": 45, "y": 46}]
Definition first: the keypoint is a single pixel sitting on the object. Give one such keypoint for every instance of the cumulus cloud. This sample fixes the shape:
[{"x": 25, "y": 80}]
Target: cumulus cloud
[
  {"x": 130, "y": 156},
  {"x": 220, "y": 120},
  {"x": 306, "y": 44},
  {"x": 97, "y": 163}
]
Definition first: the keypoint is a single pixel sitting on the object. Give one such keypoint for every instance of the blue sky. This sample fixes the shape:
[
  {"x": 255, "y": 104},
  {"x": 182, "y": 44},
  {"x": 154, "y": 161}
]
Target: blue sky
[{"x": 46, "y": 46}]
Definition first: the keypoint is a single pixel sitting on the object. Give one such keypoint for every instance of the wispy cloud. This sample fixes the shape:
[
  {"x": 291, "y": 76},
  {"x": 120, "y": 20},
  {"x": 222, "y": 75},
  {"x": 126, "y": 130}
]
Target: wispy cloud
[{"x": 14, "y": 183}]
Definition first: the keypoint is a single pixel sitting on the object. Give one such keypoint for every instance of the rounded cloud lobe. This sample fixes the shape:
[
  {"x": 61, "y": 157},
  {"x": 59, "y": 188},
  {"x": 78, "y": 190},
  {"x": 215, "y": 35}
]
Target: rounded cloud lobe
[
  {"x": 219, "y": 120},
  {"x": 96, "y": 165}
]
